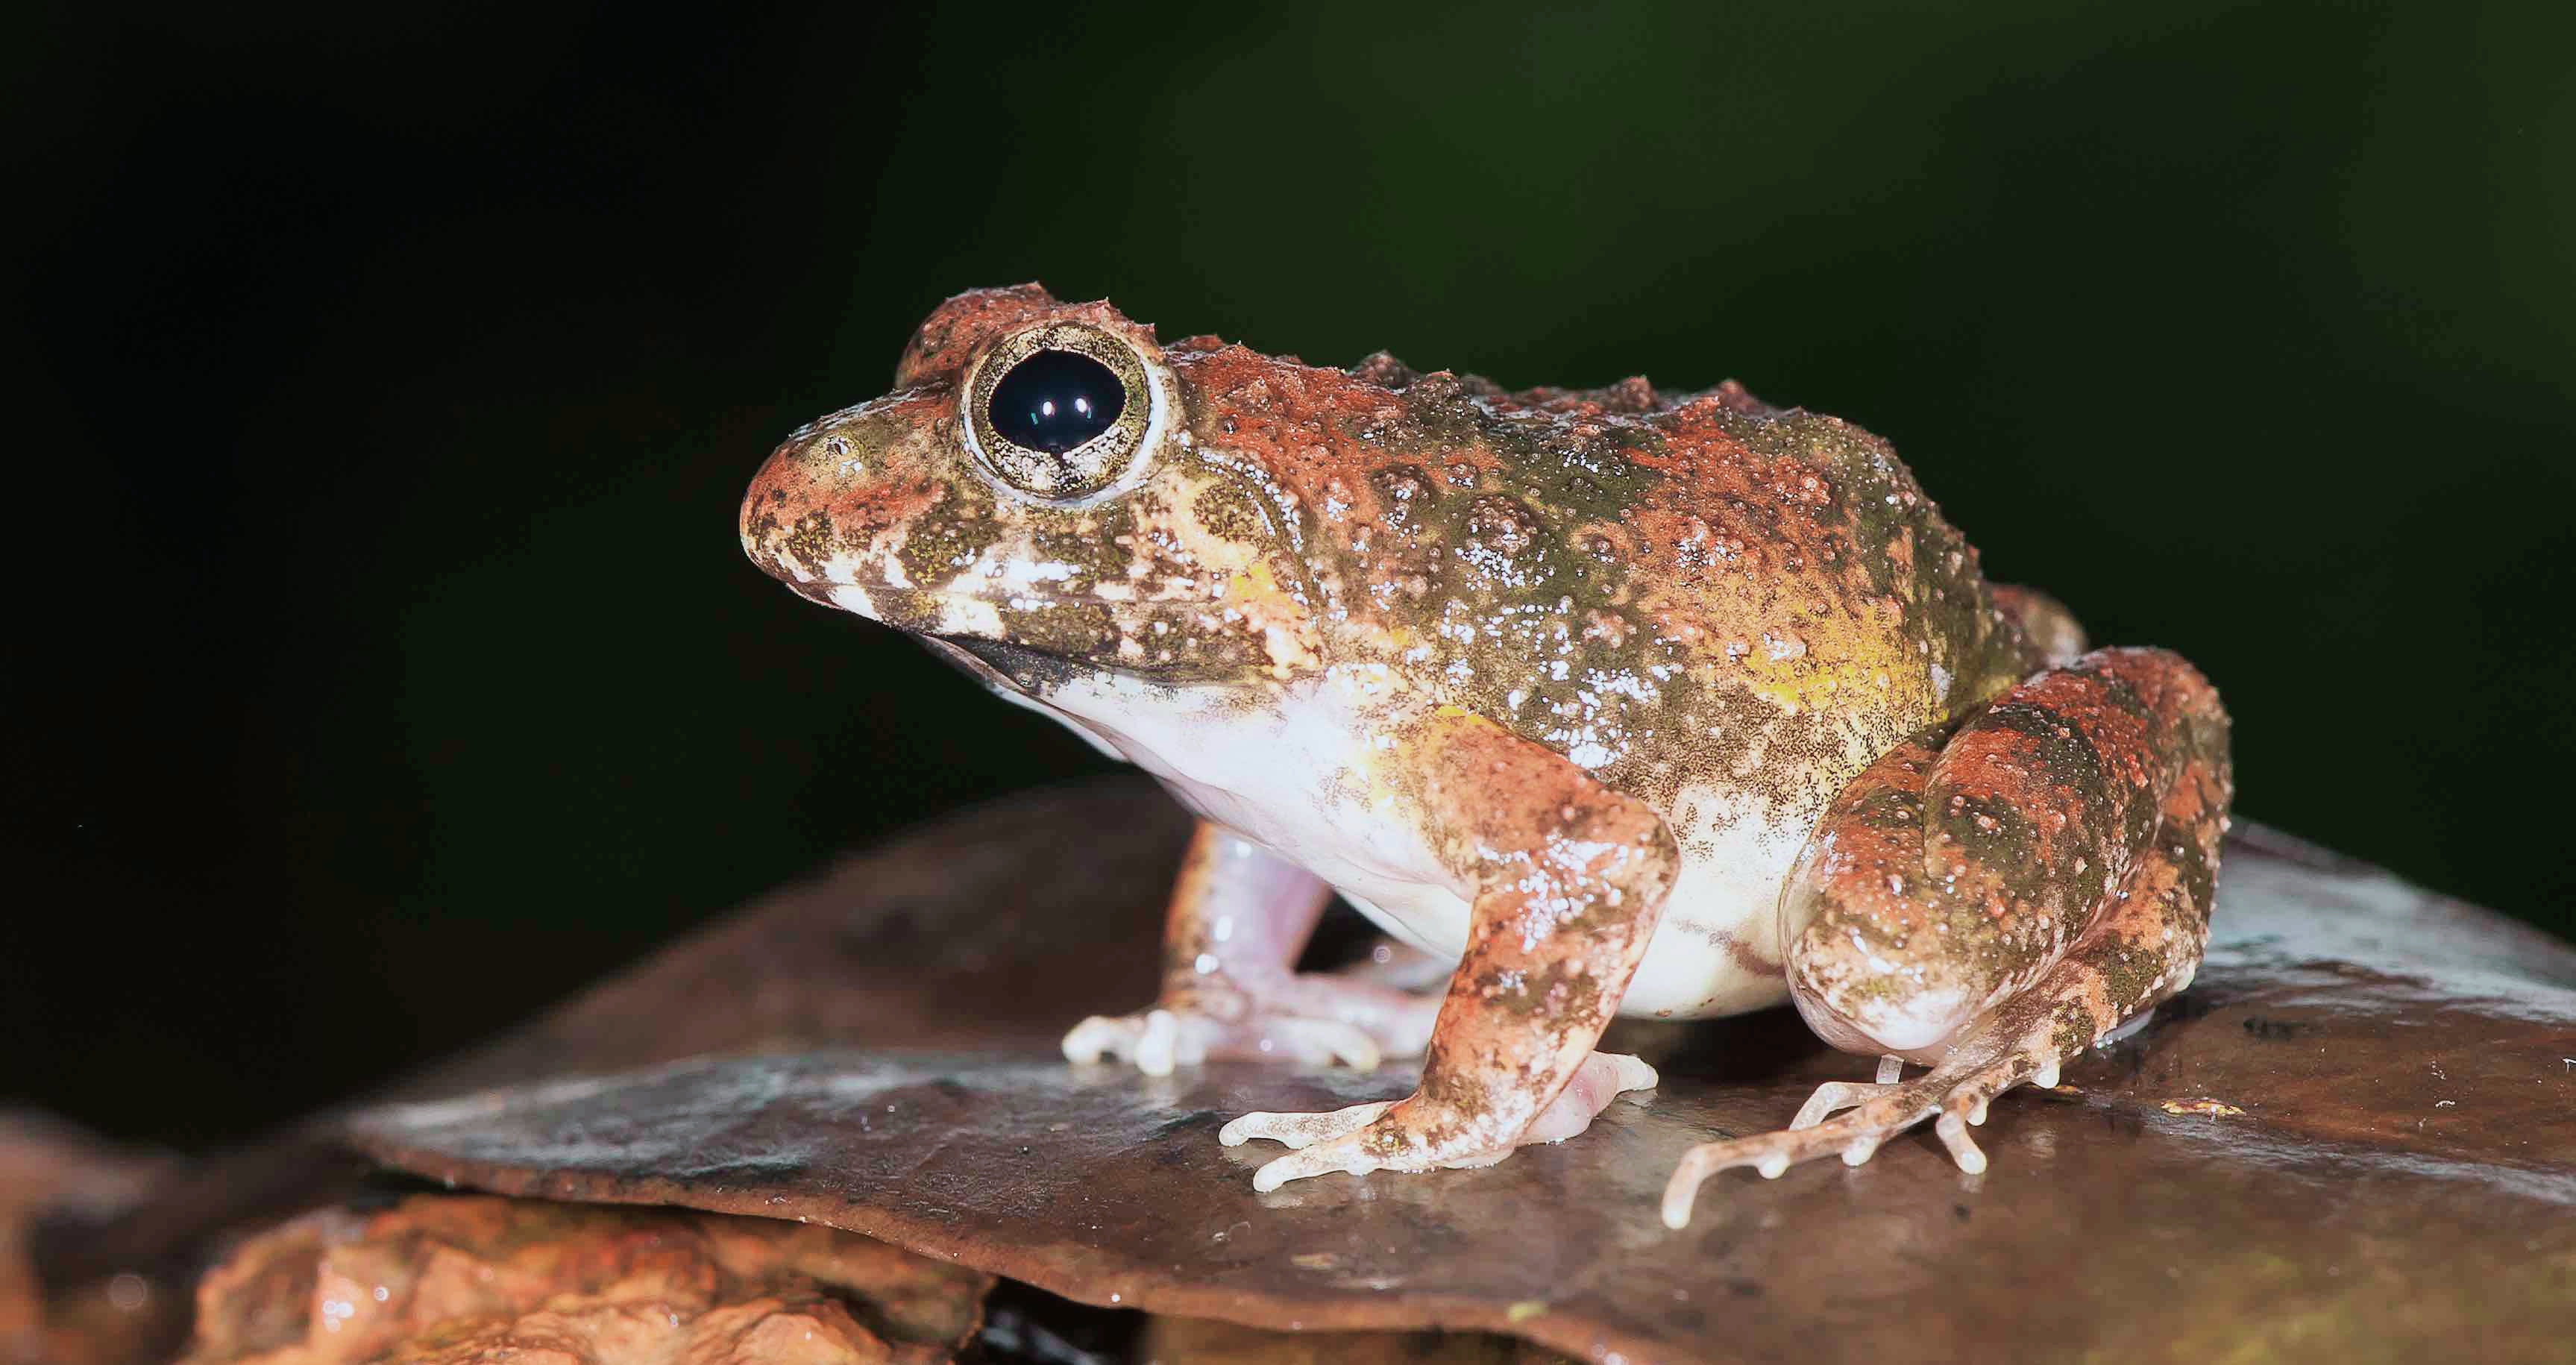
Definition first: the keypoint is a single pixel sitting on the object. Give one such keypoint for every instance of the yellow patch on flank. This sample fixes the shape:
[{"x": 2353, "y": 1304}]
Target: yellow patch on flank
[{"x": 1805, "y": 668}]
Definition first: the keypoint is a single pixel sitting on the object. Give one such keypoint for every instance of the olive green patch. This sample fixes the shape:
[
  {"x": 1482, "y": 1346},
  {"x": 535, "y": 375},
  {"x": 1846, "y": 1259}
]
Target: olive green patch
[
  {"x": 1404, "y": 493},
  {"x": 809, "y": 543},
  {"x": 2129, "y": 973},
  {"x": 1227, "y": 510},
  {"x": 2074, "y": 1031},
  {"x": 939, "y": 546},
  {"x": 1077, "y": 630},
  {"x": 1092, "y": 543}
]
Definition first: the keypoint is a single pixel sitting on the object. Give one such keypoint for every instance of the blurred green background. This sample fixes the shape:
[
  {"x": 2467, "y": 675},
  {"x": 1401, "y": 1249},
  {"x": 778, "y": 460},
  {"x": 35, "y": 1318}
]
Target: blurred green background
[{"x": 383, "y": 666}]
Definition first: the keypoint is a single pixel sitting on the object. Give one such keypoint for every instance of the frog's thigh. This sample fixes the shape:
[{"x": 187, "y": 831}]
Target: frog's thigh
[
  {"x": 1941, "y": 883},
  {"x": 2155, "y": 763}
]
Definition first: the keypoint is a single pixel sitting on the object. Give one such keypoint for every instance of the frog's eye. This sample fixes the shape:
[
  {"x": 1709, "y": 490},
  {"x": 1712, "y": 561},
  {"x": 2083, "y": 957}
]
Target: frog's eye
[
  {"x": 1056, "y": 401},
  {"x": 1059, "y": 412}
]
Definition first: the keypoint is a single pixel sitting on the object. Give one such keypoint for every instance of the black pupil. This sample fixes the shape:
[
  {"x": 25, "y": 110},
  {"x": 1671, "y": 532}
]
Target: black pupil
[{"x": 1056, "y": 400}]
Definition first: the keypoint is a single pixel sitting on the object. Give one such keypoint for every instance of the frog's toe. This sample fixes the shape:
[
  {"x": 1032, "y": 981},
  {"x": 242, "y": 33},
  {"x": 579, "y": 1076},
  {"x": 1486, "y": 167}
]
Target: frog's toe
[
  {"x": 1604, "y": 1076},
  {"x": 1833, "y": 1097},
  {"x": 1353, "y": 1141},
  {"x": 1855, "y": 1136},
  {"x": 1322, "y": 1042},
  {"x": 1156, "y": 1041},
  {"x": 1350, "y": 1154},
  {"x": 1324, "y": 1158},
  {"x": 1300, "y": 1130}
]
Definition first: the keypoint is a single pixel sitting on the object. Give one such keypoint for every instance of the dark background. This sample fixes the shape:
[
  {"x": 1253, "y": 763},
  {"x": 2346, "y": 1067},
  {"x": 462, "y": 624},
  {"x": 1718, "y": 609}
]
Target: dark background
[{"x": 381, "y": 665}]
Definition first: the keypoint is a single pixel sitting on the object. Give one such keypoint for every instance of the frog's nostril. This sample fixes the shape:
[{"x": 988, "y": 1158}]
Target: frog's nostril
[{"x": 836, "y": 454}]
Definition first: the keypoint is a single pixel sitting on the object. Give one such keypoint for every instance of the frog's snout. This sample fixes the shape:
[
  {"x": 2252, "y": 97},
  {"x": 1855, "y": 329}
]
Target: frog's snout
[
  {"x": 772, "y": 508},
  {"x": 832, "y": 494},
  {"x": 832, "y": 510},
  {"x": 813, "y": 514}
]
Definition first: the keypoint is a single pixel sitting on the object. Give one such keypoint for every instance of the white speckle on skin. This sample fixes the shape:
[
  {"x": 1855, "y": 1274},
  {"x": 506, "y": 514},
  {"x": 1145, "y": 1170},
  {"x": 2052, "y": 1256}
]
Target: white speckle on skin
[{"x": 970, "y": 616}]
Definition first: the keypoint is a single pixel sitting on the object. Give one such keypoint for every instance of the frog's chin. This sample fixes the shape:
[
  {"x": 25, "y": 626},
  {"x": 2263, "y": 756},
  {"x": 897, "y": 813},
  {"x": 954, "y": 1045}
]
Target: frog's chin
[{"x": 997, "y": 675}]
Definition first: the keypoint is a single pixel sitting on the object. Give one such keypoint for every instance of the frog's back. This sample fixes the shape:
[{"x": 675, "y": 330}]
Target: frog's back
[
  {"x": 1723, "y": 608},
  {"x": 1661, "y": 587}
]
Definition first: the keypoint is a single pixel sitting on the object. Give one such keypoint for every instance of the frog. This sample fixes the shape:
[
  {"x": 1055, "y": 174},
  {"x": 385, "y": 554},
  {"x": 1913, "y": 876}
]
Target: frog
[{"x": 1601, "y": 702}]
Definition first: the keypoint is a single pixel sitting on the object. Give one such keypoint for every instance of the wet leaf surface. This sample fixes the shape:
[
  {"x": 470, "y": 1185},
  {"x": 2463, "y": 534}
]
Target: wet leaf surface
[{"x": 2355, "y": 1136}]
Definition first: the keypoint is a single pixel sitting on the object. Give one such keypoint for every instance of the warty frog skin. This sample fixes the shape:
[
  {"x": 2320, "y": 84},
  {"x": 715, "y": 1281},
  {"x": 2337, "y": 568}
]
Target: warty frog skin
[{"x": 1621, "y": 701}]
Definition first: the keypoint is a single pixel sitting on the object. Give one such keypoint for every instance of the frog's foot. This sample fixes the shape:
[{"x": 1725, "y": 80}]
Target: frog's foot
[
  {"x": 2020, "y": 1045},
  {"x": 1872, "y": 1113},
  {"x": 1396, "y": 1135},
  {"x": 1300, "y": 1021}
]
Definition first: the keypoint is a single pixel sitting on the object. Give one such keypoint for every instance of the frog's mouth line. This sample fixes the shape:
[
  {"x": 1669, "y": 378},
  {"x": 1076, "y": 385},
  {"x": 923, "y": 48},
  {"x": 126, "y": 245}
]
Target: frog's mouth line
[
  {"x": 1028, "y": 668},
  {"x": 971, "y": 625},
  {"x": 998, "y": 664},
  {"x": 946, "y": 615}
]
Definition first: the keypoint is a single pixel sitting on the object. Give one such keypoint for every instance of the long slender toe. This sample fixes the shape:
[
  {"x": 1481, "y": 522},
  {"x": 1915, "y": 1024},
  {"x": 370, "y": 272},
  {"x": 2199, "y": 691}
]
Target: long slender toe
[
  {"x": 1952, "y": 1127},
  {"x": 1300, "y": 1130},
  {"x": 1833, "y": 1097},
  {"x": 1604, "y": 1076},
  {"x": 1158, "y": 1045}
]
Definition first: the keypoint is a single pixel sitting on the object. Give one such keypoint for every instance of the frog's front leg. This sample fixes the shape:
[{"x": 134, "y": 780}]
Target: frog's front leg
[
  {"x": 1567, "y": 880},
  {"x": 1992, "y": 905},
  {"x": 1239, "y": 917}
]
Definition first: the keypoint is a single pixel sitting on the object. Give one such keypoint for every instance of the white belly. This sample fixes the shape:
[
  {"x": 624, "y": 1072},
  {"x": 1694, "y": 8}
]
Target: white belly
[{"x": 1296, "y": 780}]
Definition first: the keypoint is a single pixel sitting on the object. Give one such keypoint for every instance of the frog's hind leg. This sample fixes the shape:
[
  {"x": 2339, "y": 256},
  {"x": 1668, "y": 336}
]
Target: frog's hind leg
[
  {"x": 2053, "y": 632},
  {"x": 2084, "y": 809}
]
